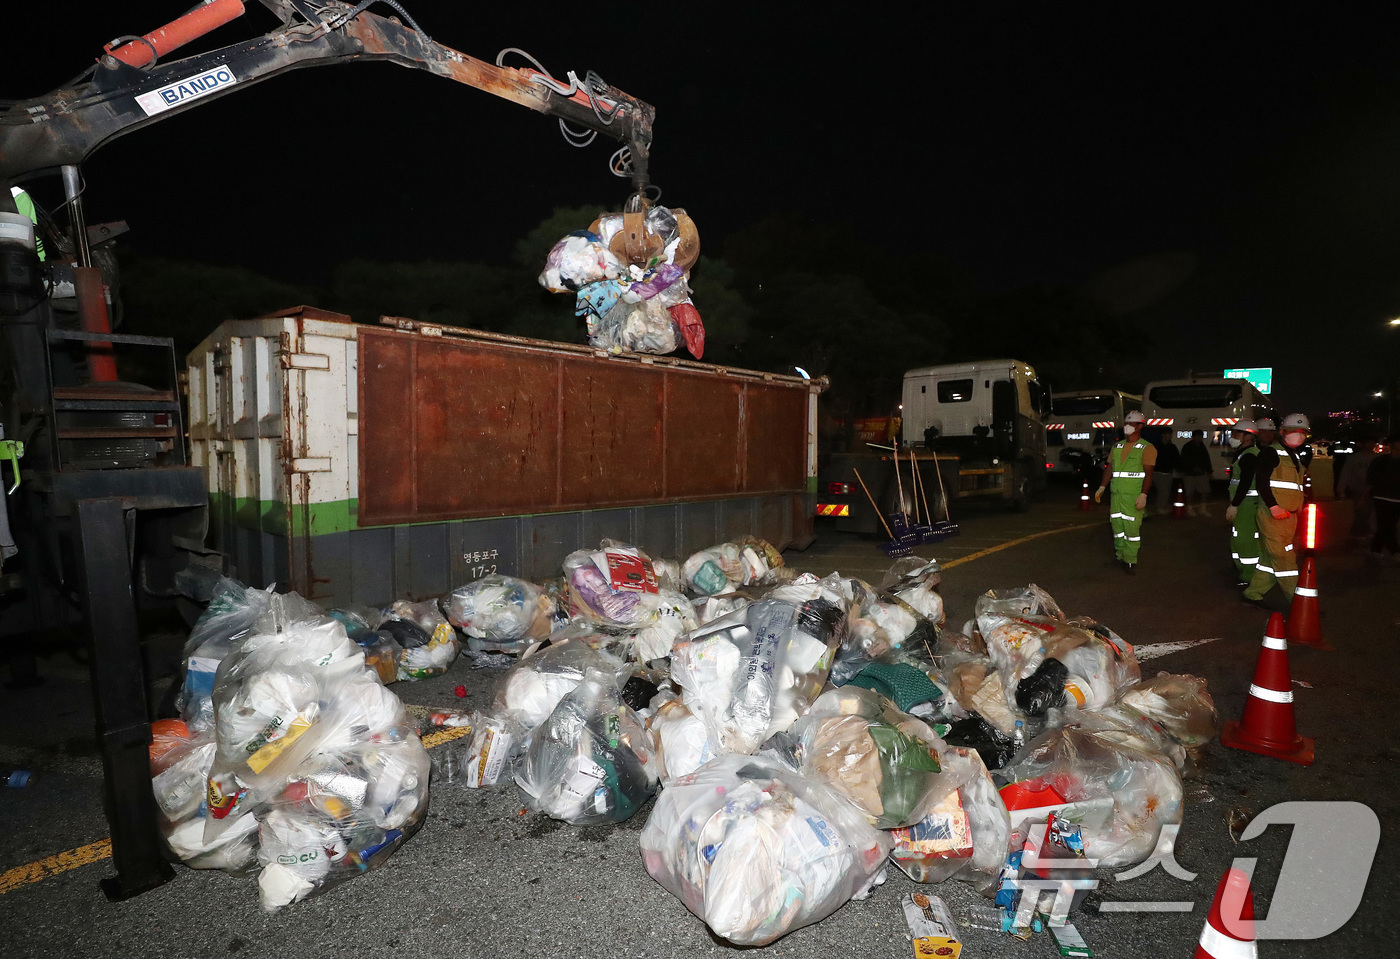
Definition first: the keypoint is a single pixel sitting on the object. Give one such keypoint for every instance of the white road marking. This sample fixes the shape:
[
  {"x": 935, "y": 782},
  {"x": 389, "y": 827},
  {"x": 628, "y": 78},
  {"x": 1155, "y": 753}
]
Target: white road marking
[{"x": 1156, "y": 650}]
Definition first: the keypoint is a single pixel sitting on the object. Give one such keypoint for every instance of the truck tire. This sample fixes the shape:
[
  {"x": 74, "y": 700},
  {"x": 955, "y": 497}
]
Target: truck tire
[{"x": 1021, "y": 489}]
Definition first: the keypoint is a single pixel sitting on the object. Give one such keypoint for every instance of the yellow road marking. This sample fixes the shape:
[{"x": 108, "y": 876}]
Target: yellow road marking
[
  {"x": 1015, "y": 542},
  {"x": 433, "y": 740},
  {"x": 41, "y": 869}
]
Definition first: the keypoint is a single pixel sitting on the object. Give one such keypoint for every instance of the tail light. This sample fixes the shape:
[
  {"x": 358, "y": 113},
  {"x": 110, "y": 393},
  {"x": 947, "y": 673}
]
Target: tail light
[
  {"x": 1049, "y": 466},
  {"x": 839, "y": 489}
]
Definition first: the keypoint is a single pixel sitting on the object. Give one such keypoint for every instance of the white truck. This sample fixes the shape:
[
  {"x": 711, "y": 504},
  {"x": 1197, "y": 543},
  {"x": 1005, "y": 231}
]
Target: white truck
[{"x": 982, "y": 421}]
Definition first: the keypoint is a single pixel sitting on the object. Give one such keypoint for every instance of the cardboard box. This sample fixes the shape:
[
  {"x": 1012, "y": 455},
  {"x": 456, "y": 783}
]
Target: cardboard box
[{"x": 931, "y": 927}]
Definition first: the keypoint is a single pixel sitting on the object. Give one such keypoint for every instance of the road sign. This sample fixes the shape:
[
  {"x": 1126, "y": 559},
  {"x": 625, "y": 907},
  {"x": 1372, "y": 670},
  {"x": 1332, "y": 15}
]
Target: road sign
[{"x": 1262, "y": 378}]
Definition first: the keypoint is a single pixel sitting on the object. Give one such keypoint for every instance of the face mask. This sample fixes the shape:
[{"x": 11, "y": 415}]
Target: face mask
[
  {"x": 1235, "y": 442},
  {"x": 1294, "y": 439},
  {"x": 1129, "y": 430}
]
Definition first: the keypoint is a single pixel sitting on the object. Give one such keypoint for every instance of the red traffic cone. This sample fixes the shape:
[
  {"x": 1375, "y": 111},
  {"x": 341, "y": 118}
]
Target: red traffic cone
[
  {"x": 1268, "y": 727},
  {"x": 1304, "y": 626},
  {"x": 1229, "y": 929},
  {"x": 1086, "y": 499},
  {"x": 1179, "y": 500}
]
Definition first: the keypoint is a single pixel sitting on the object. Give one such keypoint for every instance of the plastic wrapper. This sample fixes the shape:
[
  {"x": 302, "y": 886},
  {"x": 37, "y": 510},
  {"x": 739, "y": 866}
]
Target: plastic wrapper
[
  {"x": 1119, "y": 754},
  {"x": 883, "y": 760},
  {"x": 500, "y": 613},
  {"x": 752, "y": 673},
  {"x": 757, "y": 850},
  {"x": 727, "y": 566},
  {"x": 231, "y": 612},
  {"x": 595, "y": 300},
  {"x": 428, "y": 641},
  {"x": 692, "y": 328},
  {"x": 592, "y": 760},
  {"x": 577, "y": 260},
  {"x": 1178, "y": 703},
  {"x": 317, "y": 773},
  {"x": 606, "y": 585}
]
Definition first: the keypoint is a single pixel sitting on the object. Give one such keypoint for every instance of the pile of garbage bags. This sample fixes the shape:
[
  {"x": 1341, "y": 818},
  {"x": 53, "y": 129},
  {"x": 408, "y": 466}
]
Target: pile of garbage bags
[
  {"x": 798, "y": 733},
  {"x": 629, "y": 273},
  {"x": 297, "y": 763}
]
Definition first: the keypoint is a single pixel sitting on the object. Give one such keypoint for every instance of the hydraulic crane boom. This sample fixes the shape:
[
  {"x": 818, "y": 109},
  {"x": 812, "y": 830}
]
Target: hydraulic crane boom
[{"x": 129, "y": 88}]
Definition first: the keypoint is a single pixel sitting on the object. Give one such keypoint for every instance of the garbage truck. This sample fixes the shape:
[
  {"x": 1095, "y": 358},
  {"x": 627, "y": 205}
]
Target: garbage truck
[{"x": 982, "y": 423}]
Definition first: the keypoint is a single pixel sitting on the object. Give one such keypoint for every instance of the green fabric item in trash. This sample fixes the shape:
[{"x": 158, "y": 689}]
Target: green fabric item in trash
[{"x": 906, "y": 685}]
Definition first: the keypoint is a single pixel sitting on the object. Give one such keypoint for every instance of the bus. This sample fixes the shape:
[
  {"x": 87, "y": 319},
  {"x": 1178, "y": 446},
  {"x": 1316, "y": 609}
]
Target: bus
[
  {"x": 1087, "y": 420},
  {"x": 1209, "y": 404}
]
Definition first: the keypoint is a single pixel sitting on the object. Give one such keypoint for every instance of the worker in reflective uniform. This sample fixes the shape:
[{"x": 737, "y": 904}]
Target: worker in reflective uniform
[
  {"x": 1244, "y": 502},
  {"x": 1278, "y": 476},
  {"x": 1129, "y": 471},
  {"x": 24, "y": 203}
]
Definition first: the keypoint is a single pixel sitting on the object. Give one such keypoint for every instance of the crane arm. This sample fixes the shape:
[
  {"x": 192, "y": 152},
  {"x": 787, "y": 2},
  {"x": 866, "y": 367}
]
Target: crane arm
[{"x": 129, "y": 88}]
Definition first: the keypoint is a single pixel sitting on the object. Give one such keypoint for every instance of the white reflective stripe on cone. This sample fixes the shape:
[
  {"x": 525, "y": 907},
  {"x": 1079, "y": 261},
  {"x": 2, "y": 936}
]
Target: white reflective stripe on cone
[
  {"x": 1304, "y": 591},
  {"x": 1272, "y": 695},
  {"x": 1221, "y": 946},
  {"x": 1275, "y": 642}
]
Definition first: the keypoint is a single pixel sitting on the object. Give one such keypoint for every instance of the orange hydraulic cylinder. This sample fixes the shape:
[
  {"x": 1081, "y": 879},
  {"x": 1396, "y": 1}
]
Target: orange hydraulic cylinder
[
  {"x": 92, "y": 315},
  {"x": 177, "y": 33}
]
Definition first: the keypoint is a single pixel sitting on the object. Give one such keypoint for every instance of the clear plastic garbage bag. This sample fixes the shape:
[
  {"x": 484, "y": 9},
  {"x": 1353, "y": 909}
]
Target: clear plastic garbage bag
[
  {"x": 757, "y": 850},
  {"x": 592, "y": 760},
  {"x": 752, "y": 673},
  {"x": 317, "y": 770},
  {"x": 499, "y": 613},
  {"x": 883, "y": 760}
]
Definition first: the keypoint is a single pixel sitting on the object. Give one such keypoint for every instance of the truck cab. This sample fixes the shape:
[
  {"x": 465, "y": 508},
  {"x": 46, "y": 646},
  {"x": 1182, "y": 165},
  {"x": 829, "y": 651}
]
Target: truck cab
[{"x": 990, "y": 414}]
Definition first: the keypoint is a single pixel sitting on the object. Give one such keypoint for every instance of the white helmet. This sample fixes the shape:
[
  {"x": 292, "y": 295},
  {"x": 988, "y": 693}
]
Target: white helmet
[
  {"x": 1265, "y": 423},
  {"x": 1296, "y": 421},
  {"x": 1244, "y": 426},
  {"x": 1135, "y": 417}
]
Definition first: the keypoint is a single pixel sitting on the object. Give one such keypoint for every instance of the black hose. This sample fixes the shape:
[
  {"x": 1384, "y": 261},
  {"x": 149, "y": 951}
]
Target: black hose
[{"x": 366, "y": 4}]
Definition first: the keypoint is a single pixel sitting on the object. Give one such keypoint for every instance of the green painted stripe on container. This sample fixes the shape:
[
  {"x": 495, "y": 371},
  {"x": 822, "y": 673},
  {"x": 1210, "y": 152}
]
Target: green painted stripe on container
[
  {"x": 270, "y": 516},
  {"x": 811, "y": 484}
]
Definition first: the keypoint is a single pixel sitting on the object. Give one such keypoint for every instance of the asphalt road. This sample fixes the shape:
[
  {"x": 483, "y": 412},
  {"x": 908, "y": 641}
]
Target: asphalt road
[{"x": 484, "y": 878}]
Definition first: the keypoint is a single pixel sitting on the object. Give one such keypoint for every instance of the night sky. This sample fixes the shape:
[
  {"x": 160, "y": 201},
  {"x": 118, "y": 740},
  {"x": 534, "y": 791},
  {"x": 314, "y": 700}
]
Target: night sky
[{"x": 1244, "y": 158}]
